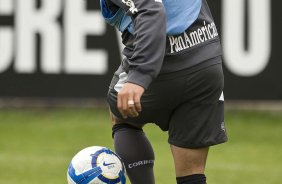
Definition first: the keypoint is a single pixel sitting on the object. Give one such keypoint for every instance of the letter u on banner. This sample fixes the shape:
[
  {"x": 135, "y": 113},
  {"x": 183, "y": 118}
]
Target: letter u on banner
[{"x": 253, "y": 61}]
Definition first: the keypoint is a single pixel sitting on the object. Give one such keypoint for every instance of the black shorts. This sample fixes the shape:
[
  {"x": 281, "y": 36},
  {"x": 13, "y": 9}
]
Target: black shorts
[{"x": 190, "y": 106}]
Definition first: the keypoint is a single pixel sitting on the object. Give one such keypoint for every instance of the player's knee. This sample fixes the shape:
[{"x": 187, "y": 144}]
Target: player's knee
[
  {"x": 122, "y": 125},
  {"x": 116, "y": 120}
]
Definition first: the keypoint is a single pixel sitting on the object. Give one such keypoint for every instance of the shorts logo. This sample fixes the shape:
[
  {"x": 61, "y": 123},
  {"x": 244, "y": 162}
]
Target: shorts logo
[
  {"x": 131, "y": 6},
  {"x": 221, "y": 98},
  {"x": 223, "y": 127}
]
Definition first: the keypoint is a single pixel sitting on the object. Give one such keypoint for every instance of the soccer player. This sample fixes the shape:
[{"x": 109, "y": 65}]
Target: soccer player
[{"x": 171, "y": 75}]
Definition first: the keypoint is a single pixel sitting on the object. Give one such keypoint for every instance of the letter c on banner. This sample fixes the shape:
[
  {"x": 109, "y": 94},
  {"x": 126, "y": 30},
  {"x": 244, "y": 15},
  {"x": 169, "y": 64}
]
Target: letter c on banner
[{"x": 253, "y": 61}]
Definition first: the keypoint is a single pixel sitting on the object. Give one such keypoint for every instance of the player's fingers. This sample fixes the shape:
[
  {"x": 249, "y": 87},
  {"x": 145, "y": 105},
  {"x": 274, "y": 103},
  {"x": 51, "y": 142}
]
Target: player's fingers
[
  {"x": 138, "y": 103},
  {"x": 132, "y": 112},
  {"x": 120, "y": 105},
  {"x": 118, "y": 102},
  {"x": 125, "y": 106}
]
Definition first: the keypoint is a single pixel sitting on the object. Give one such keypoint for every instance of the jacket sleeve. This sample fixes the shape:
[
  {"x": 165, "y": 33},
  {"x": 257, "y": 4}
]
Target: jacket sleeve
[{"x": 149, "y": 23}]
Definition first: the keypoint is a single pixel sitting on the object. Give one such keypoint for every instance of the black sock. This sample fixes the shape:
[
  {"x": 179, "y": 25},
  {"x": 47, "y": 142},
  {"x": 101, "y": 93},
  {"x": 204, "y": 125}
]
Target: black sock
[
  {"x": 192, "y": 179},
  {"x": 136, "y": 152}
]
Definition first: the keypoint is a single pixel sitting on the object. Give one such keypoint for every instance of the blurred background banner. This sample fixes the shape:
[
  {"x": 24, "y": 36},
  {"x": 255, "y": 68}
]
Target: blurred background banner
[{"x": 64, "y": 49}]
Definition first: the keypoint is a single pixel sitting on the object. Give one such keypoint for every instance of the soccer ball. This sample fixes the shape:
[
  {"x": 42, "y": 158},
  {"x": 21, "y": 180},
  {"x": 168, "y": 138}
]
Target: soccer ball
[{"x": 96, "y": 165}]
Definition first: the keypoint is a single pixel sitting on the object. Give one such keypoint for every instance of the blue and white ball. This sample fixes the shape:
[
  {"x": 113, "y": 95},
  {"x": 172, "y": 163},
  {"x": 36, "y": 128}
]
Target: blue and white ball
[{"x": 96, "y": 165}]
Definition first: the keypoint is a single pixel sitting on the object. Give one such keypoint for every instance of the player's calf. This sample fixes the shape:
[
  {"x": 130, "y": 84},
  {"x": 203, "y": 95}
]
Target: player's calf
[{"x": 135, "y": 150}]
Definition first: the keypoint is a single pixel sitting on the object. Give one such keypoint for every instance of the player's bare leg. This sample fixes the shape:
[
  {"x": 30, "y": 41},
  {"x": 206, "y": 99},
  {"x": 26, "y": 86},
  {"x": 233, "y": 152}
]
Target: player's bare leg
[{"x": 190, "y": 164}]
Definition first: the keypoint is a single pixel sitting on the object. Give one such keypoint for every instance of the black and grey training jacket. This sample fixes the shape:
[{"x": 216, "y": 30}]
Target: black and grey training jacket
[{"x": 163, "y": 36}]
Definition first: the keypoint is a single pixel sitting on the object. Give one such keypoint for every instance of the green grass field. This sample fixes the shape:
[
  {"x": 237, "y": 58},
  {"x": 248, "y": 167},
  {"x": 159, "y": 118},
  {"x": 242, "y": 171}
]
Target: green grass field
[{"x": 36, "y": 146}]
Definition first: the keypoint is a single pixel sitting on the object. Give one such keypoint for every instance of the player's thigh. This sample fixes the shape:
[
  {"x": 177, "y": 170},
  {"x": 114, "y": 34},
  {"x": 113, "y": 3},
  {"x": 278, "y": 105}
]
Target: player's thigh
[
  {"x": 157, "y": 102},
  {"x": 152, "y": 111},
  {"x": 198, "y": 121},
  {"x": 189, "y": 161}
]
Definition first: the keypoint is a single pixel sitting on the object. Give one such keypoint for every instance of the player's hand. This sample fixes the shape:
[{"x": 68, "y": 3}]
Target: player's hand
[{"x": 128, "y": 100}]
